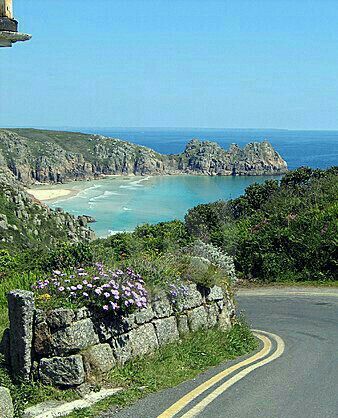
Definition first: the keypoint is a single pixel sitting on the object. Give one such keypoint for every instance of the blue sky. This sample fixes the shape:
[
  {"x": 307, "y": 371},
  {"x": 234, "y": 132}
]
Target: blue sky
[{"x": 173, "y": 63}]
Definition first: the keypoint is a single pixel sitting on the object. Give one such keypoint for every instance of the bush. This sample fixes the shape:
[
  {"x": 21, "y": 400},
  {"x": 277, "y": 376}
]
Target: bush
[
  {"x": 215, "y": 256},
  {"x": 202, "y": 220},
  {"x": 68, "y": 255},
  {"x": 7, "y": 262},
  {"x": 277, "y": 232}
]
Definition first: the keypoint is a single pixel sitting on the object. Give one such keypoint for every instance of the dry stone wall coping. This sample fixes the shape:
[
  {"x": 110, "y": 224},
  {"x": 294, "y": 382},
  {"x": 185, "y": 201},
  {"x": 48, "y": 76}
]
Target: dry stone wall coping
[{"x": 68, "y": 347}]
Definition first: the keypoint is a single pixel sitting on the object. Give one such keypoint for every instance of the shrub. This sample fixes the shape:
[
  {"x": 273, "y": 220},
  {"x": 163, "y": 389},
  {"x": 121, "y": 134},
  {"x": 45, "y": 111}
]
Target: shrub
[
  {"x": 150, "y": 239},
  {"x": 7, "y": 262},
  {"x": 68, "y": 255},
  {"x": 215, "y": 256},
  {"x": 157, "y": 270},
  {"x": 276, "y": 232},
  {"x": 203, "y": 219}
]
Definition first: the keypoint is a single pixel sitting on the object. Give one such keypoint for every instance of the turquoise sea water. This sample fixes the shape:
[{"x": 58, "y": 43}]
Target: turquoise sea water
[{"x": 122, "y": 203}]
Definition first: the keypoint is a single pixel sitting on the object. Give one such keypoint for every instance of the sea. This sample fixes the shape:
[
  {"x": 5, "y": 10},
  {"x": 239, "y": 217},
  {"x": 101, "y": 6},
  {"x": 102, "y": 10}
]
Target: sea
[{"x": 122, "y": 203}]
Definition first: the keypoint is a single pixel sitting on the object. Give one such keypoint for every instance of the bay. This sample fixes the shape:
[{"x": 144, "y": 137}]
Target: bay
[{"x": 122, "y": 203}]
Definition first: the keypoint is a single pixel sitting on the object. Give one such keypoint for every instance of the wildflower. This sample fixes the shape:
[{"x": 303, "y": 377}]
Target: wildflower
[
  {"x": 114, "y": 305},
  {"x": 79, "y": 286},
  {"x": 45, "y": 296},
  {"x": 105, "y": 307},
  {"x": 61, "y": 289}
]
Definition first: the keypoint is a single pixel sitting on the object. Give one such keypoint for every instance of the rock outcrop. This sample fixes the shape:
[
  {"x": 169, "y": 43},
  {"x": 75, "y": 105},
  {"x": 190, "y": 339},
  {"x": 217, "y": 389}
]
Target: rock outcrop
[
  {"x": 27, "y": 223},
  {"x": 54, "y": 157}
]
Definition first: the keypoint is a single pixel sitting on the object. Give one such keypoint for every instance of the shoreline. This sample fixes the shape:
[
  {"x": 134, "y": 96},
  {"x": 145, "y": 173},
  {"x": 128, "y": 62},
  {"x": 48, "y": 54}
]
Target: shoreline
[{"x": 51, "y": 194}]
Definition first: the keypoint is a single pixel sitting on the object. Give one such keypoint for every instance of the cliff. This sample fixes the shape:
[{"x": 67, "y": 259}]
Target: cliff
[
  {"x": 26, "y": 223},
  {"x": 53, "y": 156}
]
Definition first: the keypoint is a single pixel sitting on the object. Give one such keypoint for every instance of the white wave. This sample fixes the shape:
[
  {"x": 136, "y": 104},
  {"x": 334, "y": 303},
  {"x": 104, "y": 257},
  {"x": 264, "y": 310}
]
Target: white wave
[
  {"x": 128, "y": 187},
  {"x": 84, "y": 193},
  {"x": 138, "y": 182},
  {"x": 125, "y": 208},
  {"x": 104, "y": 195}
]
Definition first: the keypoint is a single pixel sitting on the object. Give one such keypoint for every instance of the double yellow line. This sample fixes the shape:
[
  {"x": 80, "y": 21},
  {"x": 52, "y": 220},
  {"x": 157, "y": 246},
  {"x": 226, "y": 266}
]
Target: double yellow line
[{"x": 265, "y": 337}]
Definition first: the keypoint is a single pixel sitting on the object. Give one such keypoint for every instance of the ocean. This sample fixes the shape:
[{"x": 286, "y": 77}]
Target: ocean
[{"x": 122, "y": 203}]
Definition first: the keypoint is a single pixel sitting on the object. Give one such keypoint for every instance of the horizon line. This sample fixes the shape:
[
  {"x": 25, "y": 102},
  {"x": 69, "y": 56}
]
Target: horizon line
[{"x": 62, "y": 127}]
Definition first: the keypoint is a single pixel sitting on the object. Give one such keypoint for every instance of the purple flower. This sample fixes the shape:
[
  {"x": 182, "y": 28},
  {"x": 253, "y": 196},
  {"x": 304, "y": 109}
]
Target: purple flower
[
  {"x": 105, "y": 307},
  {"x": 114, "y": 306}
]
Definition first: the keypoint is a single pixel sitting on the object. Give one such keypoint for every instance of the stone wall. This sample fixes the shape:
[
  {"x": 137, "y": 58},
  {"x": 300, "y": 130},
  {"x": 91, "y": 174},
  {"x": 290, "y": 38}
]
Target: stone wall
[{"x": 65, "y": 347}]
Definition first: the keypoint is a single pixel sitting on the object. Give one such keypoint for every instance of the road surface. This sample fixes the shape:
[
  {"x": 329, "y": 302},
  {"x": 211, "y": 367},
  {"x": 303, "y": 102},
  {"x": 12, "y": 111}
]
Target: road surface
[{"x": 293, "y": 375}]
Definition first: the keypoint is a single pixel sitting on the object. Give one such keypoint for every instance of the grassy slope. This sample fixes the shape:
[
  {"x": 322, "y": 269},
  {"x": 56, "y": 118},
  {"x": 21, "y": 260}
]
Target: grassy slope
[{"x": 73, "y": 142}]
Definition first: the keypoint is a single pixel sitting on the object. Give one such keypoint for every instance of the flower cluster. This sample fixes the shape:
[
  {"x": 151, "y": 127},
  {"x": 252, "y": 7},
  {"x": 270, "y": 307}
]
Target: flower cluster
[
  {"x": 177, "y": 291},
  {"x": 110, "y": 290}
]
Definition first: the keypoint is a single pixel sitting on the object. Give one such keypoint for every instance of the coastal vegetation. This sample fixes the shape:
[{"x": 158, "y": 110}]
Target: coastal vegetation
[
  {"x": 275, "y": 232},
  {"x": 278, "y": 231}
]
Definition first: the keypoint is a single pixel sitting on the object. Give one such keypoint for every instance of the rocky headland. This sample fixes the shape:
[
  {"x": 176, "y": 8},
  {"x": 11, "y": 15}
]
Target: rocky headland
[
  {"x": 33, "y": 156},
  {"x": 27, "y": 223}
]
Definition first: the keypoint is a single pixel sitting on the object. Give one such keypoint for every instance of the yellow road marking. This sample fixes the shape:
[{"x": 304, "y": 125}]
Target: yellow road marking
[
  {"x": 185, "y": 400},
  {"x": 221, "y": 389}
]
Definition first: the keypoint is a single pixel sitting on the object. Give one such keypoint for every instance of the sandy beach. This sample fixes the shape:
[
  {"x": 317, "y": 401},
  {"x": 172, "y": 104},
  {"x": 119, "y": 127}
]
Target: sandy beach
[{"x": 51, "y": 194}]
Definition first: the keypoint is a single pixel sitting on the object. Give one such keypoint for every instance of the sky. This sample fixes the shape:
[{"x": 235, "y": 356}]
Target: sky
[{"x": 173, "y": 63}]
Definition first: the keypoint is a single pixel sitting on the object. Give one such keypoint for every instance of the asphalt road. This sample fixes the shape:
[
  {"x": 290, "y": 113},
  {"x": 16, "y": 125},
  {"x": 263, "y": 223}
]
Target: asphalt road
[{"x": 301, "y": 383}]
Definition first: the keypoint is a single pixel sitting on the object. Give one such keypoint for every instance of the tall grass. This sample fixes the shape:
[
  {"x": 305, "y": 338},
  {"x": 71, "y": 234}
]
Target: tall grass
[{"x": 8, "y": 283}]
